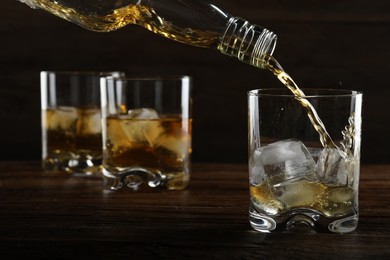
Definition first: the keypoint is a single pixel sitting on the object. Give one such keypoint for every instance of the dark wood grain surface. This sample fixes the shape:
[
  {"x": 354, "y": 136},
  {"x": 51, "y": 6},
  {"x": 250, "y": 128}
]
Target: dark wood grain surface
[{"x": 54, "y": 216}]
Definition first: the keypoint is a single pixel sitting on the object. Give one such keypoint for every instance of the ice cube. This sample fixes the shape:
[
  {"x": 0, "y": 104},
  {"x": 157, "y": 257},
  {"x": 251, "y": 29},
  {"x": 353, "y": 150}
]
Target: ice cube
[
  {"x": 142, "y": 126},
  {"x": 142, "y": 132},
  {"x": 264, "y": 200},
  {"x": 116, "y": 134},
  {"x": 315, "y": 152},
  {"x": 340, "y": 195},
  {"x": 143, "y": 113},
  {"x": 301, "y": 194},
  {"x": 89, "y": 121},
  {"x": 64, "y": 118},
  {"x": 178, "y": 145},
  {"x": 282, "y": 161},
  {"x": 256, "y": 168},
  {"x": 335, "y": 167}
]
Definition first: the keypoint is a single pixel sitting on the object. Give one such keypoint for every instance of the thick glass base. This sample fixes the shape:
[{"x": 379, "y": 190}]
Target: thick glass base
[
  {"x": 137, "y": 178},
  {"x": 302, "y": 219},
  {"x": 75, "y": 166}
]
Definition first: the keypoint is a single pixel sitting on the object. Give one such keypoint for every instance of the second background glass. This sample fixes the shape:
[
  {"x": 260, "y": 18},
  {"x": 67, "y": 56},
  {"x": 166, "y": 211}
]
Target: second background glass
[
  {"x": 147, "y": 127},
  {"x": 71, "y": 128}
]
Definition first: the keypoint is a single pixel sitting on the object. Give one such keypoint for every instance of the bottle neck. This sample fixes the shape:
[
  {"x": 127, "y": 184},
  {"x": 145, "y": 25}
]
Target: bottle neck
[{"x": 247, "y": 42}]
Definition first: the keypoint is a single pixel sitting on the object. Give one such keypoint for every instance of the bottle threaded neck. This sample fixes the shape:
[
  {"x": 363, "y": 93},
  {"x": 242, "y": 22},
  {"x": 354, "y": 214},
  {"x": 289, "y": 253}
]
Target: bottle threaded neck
[{"x": 249, "y": 43}]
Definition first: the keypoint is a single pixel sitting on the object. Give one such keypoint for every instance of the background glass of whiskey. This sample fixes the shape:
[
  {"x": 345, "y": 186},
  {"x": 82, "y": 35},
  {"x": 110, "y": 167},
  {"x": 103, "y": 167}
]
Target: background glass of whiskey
[
  {"x": 147, "y": 127},
  {"x": 296, "y": 179},
  {"x": 71, "y": 121}
]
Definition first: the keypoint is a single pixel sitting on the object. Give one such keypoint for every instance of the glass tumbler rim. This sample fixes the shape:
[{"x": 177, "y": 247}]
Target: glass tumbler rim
[
  {"x": 309, "y": 92},
  {"x": 149, "y": 77},
  {"x": 81, "y": 72}
]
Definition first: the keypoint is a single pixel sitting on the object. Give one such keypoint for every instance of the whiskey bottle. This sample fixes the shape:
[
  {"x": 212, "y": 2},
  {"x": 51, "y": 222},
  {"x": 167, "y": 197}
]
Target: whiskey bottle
[{"x": 195, "y": 22}]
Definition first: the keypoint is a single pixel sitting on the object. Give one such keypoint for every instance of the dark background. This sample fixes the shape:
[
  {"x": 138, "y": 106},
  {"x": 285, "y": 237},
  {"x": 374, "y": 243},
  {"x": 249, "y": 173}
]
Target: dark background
[{"x": 322, "y": 43}]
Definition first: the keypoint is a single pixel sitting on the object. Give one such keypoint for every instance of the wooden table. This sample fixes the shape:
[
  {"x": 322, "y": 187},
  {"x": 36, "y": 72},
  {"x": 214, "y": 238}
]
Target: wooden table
[{"x": 47, "y": 215}]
